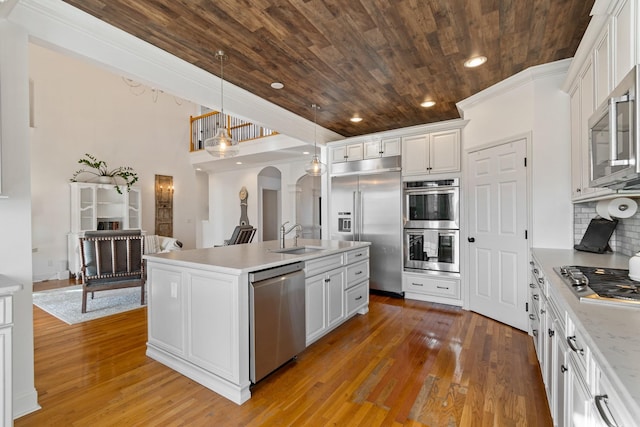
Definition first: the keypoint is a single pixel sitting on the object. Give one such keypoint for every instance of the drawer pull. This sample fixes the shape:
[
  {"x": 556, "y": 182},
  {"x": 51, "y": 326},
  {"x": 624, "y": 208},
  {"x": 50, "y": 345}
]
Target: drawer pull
[
  {"x": 551, "y": 332},
  {"x": 572, "y": 344},
  {"x": 417, "y": 284},
  {"x": 603, "y": 410},
  {"x": 535, "y": 271},
  {"x": 359, "y": 272},
  {"x": 359, "y": 298},
  {"x": 327, "y": 280},
  {"x": 532, "y": 317},
  {"x": 542, "y": 311},
  {"x": 442, "y": 287},
  {"x": 357, "y": 255},
  {"x": 536, "y": 297},
  {"x": 541, "y": 281},
  {"x": 563, "y": 369},
  {"x": 532, "y": 286}
]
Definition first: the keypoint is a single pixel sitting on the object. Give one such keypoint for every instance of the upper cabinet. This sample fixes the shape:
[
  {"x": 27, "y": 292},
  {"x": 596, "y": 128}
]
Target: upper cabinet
[
  {"x": 437, "y": 152},
  {"x": 347, "y": 153},
  {"x": 382, "y": 148},
  {"x": 606, "y": 54}
]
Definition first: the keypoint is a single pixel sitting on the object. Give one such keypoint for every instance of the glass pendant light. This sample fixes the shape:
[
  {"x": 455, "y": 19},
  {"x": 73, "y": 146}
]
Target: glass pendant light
[
  {"x": 315, "y": 167},
  {"x": 222, "y": 144}
]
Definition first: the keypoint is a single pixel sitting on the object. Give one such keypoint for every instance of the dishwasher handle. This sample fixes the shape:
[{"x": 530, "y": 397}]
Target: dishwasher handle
[{"x": 270, "y": 273}]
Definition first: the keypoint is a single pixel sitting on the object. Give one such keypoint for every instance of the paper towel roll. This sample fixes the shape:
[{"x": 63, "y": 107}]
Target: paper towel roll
[{"x": 622, "y": 207}]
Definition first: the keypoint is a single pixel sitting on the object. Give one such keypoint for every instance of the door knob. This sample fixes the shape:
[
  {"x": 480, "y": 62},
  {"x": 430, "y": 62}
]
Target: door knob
[{"x": 471, "y": 239}]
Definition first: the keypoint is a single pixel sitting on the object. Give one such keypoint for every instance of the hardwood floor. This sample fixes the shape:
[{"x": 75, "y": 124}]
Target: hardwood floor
[{"x": 405, "y": 363}]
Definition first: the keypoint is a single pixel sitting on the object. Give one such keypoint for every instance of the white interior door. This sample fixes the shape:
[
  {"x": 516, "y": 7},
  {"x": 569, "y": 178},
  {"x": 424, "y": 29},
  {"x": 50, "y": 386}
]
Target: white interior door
[{"x": 497, "y": 223}]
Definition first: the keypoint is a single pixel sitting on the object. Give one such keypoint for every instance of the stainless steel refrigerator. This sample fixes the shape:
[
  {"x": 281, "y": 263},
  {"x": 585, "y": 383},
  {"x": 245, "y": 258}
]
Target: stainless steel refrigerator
[{"x": 368, "y": 208}]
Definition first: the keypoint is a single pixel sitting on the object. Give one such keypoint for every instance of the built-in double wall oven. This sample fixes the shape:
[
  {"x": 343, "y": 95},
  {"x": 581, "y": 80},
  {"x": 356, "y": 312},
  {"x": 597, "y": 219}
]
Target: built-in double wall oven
[{"x": 432, "y": 225}]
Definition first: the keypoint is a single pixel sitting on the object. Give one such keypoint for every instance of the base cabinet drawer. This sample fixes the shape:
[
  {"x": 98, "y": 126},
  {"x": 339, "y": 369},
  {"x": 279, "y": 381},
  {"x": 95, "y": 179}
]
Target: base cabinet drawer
[
  {"x": 357, "y": 297},
  {"x": 442, "y": 287},
  {"x": 357, "y": 273}
]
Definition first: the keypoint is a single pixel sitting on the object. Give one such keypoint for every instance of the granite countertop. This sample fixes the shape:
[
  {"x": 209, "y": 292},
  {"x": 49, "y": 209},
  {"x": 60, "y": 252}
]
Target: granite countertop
[
  {"x": 611, "y": 332},
  {"x": 238, "y": 259}
]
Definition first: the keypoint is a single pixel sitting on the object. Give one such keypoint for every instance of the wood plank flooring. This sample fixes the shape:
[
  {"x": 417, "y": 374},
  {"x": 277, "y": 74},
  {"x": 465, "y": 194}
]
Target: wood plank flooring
[{"x": 405, "y": 363}]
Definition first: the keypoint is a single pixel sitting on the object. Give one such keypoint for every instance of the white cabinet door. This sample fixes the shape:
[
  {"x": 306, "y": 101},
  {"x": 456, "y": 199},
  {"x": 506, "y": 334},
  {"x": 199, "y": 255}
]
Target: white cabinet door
[
  {"x": 444, "y": 151},
  {"x": 415, "y": 155},
  {"x": 560, "y": 378},
  {"x": 576, "y": 144},
  {"x": 602, "y": 65},
  {"x": 373, "y": 149},
  {"x": 625, "y": 40},
  {"x": 578, "y": 405},
  {"x": 354, "y": 152},
  {"x": 338, "y": 154},
  {"x": 335, "y": 296},
  {"x": 391, "y": 147},
  {"x": 315, "y": 312}
]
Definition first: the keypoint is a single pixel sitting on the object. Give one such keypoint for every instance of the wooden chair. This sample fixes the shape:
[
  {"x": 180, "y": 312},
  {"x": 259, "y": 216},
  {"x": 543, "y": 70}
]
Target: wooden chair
[
  {"x": 111, "y": 260},
  {"x": 241, "y": 234}
]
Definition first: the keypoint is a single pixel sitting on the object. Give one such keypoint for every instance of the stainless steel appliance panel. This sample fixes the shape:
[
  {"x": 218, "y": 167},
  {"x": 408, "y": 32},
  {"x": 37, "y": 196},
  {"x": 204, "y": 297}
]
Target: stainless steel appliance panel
[
  {"x": 380, "y": 221},
  {"x": 432, "y": 249},
  {"x": 371, "y": 205},
  {"x": 277, "y": 330}
]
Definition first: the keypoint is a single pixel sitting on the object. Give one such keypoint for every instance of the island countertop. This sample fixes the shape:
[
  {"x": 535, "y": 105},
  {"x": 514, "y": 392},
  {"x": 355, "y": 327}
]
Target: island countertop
[
  {"x": 239, "y": 259},
  {"x": 611, "y": 331}
]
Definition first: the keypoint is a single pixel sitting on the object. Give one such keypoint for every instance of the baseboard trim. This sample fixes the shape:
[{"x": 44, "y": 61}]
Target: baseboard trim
[{"x": 25, "y": 404}]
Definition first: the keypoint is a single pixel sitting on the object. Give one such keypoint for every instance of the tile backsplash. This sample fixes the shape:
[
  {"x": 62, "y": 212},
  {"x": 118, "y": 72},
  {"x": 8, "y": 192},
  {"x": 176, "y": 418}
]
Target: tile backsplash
[{"x": 626, "y": 237}]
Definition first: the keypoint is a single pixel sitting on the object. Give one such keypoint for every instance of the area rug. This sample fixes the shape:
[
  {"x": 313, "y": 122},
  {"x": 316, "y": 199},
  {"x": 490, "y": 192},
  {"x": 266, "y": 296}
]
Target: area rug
[{"x": 66, "y": 303}]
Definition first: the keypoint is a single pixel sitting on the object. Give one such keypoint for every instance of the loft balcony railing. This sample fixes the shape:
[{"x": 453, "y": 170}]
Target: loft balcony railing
[{"x": 206, "y": 125}]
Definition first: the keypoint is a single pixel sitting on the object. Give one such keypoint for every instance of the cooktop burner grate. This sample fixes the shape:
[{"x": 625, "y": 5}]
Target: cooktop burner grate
[{"x": 604, "y": 284}]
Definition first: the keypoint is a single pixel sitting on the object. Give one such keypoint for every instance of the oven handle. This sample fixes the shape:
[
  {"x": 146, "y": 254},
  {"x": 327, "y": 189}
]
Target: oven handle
[{"x": 439, "y": 190}]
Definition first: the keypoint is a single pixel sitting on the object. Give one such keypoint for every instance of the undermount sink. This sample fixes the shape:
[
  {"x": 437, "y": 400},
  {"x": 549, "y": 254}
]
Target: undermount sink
[{"x": 297, "y": 250}]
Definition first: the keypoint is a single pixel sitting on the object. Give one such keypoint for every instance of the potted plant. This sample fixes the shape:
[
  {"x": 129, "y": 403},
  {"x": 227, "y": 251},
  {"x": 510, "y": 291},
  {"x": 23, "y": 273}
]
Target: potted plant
[{"x": 100, "y": 169}]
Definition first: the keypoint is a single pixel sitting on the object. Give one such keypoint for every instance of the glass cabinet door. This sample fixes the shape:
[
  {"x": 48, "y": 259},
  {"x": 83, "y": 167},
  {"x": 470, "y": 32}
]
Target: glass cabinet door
[{"x": 87, "y": 208}]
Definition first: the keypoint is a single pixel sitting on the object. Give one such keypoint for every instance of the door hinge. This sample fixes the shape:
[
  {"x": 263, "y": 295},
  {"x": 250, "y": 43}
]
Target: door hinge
[
  {"x": 525, "y": 162},
  {"x": 526, "y": 234}
]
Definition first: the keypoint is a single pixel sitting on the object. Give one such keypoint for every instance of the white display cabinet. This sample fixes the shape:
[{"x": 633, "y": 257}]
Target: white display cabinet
[{"x": 101, "y": 207}]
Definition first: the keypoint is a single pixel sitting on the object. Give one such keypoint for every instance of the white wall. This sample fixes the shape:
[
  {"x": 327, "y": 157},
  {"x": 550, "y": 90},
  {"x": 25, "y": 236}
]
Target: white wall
[
  {"x": 531, "y": 103},
  {"x": 80, "y": 108}
]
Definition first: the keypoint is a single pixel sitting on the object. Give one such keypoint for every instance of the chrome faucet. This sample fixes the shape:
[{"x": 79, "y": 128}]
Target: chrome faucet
[{"x": 284, "y": 232}]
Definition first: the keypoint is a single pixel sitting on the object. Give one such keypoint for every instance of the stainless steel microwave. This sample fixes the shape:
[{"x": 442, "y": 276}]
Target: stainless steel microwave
[{"x": 614, "y": 146}]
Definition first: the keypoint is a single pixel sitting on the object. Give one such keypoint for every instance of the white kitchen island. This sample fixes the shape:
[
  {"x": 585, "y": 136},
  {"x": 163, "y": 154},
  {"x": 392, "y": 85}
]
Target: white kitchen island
[{"x": 198, "y": 304}]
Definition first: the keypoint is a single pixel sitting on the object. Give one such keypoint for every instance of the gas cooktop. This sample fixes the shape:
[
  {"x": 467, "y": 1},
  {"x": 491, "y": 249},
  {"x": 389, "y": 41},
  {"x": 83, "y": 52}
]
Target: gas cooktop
[{"x": 601, "y": 285}]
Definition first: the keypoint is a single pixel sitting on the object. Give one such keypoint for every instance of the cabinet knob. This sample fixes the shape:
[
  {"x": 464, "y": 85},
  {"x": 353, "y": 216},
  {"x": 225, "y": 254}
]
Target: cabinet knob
[
  {"x": 551, "y": 333},
  {"x": 563, "y": 369},
  {"x": 471, "y": 239}
]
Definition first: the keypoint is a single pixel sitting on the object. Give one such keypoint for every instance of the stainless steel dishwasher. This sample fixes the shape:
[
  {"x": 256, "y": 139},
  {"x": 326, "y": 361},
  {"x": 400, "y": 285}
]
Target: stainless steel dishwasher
[{"x": 277, "y": 331}]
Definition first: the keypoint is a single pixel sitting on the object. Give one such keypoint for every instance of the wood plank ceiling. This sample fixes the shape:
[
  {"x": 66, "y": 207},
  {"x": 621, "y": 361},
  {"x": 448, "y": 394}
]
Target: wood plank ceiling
[{"x": 377, "y": 59}]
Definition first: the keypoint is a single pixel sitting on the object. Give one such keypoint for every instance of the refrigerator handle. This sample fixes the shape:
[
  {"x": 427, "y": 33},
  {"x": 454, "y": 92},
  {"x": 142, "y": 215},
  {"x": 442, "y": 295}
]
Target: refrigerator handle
[
  {"x": 354, "y": 219},
  {"x": 360, "y": 216}
]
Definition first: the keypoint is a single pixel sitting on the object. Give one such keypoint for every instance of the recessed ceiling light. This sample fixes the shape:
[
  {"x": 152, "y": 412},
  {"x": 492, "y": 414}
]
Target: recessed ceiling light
[
  {"x": 476, "y": 61},
  {"x": 305, "y": 152},
  {"x": 427, "y": 104},
  {"x": 238, "y": 163},
  {"x": 356, "y": 119},
  {"x": 277, "y": 85}
]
